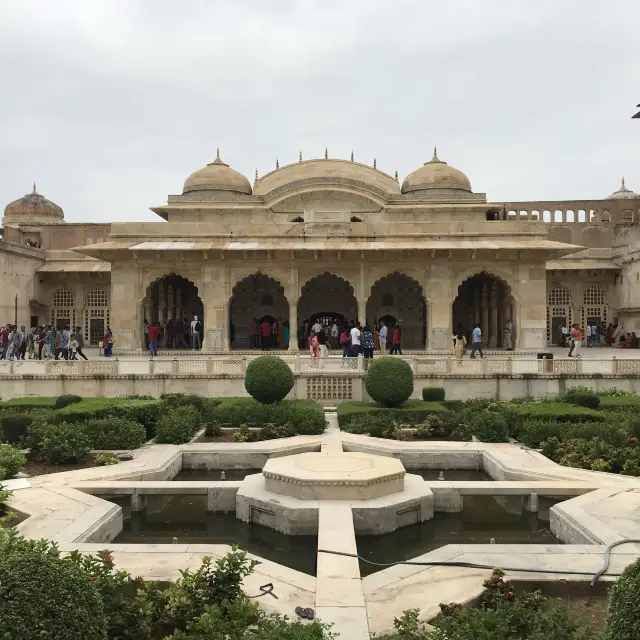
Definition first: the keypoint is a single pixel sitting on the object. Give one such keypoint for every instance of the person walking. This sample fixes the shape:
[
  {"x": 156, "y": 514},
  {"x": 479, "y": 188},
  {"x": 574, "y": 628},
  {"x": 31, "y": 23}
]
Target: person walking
[
  {"x": 107, "y": 343},
  {"x": 196, "y": 327},
  {"x": 459, "y": 342},
  {"x": 16, "y": 343},
  {"x": 382, "y": 336},
  {"x": 396, "y": 337},
  {"x": 576, "y": 342},
  {"x": 367, "y": 343},
  {"x": 507, "y": 341},
  {"x": 355, "y": 336},
  {"x": 80, "y": 343},
  {"x": 154, "y": 332},
  {"x": 63, "y": 344},
  {"x": 4, "y": 341},
  {"x": 564, "y": 334},
  {"x": 50, "y": 341},
  {"x": 73, "y": 347},
  {"x": 23, "y": 343},
  {"x": 42, "y": 335},
  {"x": 31, "y": 342},
  {"x": 476, "y": 342},
  {"x": 265, "y": 334},
  {"x": 286, "y": 333}
]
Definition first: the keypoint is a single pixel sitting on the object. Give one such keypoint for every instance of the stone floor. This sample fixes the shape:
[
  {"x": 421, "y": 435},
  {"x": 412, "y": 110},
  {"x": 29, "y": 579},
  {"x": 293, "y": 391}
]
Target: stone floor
[{"x": 607, "y": 509}]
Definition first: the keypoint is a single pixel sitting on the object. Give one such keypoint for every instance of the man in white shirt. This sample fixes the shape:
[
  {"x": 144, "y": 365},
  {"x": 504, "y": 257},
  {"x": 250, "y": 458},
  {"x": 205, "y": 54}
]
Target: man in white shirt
[
  {"x": 335, "y": 333},
  {"x": 316, "y": 328},
  {"x": 565, "y": 333},
  {"x": 196, "y": 341},
  {"x": 382, "y": 337},
  {"x": 476, "y": 340},
  {"x": 356, "y": 343}
]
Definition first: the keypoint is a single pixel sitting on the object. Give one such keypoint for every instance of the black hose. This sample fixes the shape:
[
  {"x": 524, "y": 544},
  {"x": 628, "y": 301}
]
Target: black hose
[{"x": 473, "y": 565}]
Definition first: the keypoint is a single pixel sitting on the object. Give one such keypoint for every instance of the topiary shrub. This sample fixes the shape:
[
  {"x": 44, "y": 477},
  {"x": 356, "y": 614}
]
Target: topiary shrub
[
  {"x": 50, "y": 598},
  {"x": 115, "y": 433},
  {"x": 389, "y": 381},
  {"x": 586, "y": 399},
  {"x": 488, "y": 426},
  {"x": 178, "y": 425},
  {"x": 433, "y": 394},
  {"x": 65, "y": 400},
  {"x": 63, "y": 443},
  {"x": 11, "y": 461},
  {"x": 623, "y": 616},
  {"x": 268, "y": 379},
  {"x": 13, "y": 426}
]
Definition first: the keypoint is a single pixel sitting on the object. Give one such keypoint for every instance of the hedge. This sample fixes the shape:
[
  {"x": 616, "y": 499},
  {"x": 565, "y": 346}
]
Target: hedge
[
  {"x": 29, "y": 402},
  {"x": 433, "y": 394},
  {"x": 411, "y": 412},
  {"x": 115, "y": 433},
  {"x": 620, "y": 403},
  {"x": 178, "y": 425},
  {"x": 559, "y": 411},
  {"x": 268, "y": 379},
  {"x": 305, "y": 416}
]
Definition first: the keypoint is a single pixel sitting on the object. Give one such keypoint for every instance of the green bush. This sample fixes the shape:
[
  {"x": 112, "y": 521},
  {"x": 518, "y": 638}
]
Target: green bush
[
  {"x": 63, "y": 401},
  {"x": 115, "y": 433},
  {"x": 28, "y": 403},
  {"x": 589, "y": 400},
  {"x": 412, "y": 412},
  {"x": 389, "y": 381},
  {"x": 105, "y": 460},
  {"x": 63, "y": 443},
  {"x": 305, "y": 416},
  {"x": 178, "y": 425},
  {"x": 435, "y": 394},
  {"x": 47, "y": 598},
  {"x": 268, "y": 379},
  {"x": 554, "y": 411},
  {"x": 623, "y": 615},
  {"x": 534, "y": 432},
  {"x": 453, "y": 405},
  {"x": 11, "y": 461},
  {"x": 630, "y": 403},
  {"x": 13, "y": 426},
  {"x": 489, "y": 426}
]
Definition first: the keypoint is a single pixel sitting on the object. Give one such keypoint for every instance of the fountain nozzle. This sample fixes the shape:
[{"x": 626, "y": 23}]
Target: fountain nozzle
[
  {"x": 441, "y": 475},
  {"x": 492, "y": 540},
  {"x": 223, "y": 476},
  {"x": 175, "y": 540}
]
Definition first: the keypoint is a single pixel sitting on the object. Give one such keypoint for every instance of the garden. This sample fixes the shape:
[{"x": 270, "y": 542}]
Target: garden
[
  {"x": 45, "y": 435},
  {"x": 579, "y": 428}
]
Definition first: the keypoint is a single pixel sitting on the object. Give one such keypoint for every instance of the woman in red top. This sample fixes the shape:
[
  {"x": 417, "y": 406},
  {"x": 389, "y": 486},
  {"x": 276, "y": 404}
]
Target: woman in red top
[
  {"x": 153, "y": 333},
  {"x": 265, "y": 334},
  {"x": 395, "y": 340}
]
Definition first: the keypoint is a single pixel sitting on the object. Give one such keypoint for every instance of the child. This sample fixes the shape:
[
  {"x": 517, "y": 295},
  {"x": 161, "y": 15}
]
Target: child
[{"x": 74, "y": 347}]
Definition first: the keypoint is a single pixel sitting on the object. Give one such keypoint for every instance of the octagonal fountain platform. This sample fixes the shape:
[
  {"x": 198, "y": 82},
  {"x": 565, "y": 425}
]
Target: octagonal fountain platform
[{"x": 287, "y": 494}]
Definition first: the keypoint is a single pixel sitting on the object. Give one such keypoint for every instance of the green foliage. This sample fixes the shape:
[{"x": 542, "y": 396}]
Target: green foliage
[
  {"x": 268, "y": 379},
  {"x": 11, "y": 461},
  {"x": 534, "y": 432},
  {"x": 13, "y": 426},
  {"x": 115, "y": 433},
  {"x": 435, "y": 394},
  {"x": 65, "y": 400},
  {"x": 389, "y": 381},
  {"x": 28, "y": 403},
  {"x": 242, "y": 434},
  {"x": 488, "y": 426},
  {"x": 412, "y": 412},
  {"x": 305, "y": 416},
  {"x": 105, "y": 460},
  {"x": 62, "y": 443},
  {"x": 44, "y": 597},
  {"x": 620, "y": 403},
  {"x": 554, "y": 411},
  {"x": 178, "y": 425},
  {"x": 612, "y": 391},
  {"x": 586, "y": 399}
]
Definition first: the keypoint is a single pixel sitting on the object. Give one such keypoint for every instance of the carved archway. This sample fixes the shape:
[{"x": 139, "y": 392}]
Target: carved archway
[
  {"x": 484, "y": 298},
  {"x": 253, "y": 298},
  {"x": 401, "y": 297}
]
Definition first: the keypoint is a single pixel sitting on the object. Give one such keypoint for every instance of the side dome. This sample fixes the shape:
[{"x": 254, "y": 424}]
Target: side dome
[
  {"x": 436, "y": 175},
  {"x": 217, "y": 176},
  {"x": 32, "y": 208},
  {"x": 623, "y": 193}
]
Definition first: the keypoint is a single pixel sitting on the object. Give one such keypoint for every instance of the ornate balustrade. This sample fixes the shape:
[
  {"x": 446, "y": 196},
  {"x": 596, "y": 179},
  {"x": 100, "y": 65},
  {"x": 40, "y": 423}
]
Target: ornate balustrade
[{"x": 302, "y": 365}]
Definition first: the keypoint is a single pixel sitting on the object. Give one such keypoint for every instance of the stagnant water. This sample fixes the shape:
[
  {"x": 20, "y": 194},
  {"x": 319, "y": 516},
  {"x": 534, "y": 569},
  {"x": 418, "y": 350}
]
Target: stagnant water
[
  {"x": 214, "y": 474},
  {"x": 482, "y": 518},
  {"x": 186, "y": 518},
  {"x": 454, "y": 475}
]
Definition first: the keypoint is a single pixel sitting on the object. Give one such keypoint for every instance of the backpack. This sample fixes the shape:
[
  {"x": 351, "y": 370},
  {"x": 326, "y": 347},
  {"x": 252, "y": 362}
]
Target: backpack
[
  {"x": 344, "y": 338},
  {"x": 198, "y": 326}
]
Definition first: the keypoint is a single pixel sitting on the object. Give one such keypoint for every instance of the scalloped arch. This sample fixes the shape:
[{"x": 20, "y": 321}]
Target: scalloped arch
[
  {"x": 492, "y": 272},
  {"x": 402, "y": 274},
  {"x": 305, "y": 287},
  {"x": 166, "y": 275},
  {"x": 255, "y": 274}
]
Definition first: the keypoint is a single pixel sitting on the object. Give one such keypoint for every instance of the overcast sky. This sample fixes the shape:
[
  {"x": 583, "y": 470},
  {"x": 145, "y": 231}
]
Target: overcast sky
[{"x": 110, "y": 105}]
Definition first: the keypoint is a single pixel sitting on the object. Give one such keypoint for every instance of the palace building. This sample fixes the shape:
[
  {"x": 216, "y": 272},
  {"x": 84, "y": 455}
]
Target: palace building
[{"x": 328, "y": 239}]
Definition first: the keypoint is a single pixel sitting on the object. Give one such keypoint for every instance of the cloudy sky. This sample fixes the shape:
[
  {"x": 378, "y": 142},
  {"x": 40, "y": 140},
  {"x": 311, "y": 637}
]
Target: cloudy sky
[{"x": 110, "y": 104}]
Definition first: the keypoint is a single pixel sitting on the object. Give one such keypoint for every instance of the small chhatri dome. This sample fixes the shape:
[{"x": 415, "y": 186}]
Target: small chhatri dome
[
  {"x": 32, "y": 208},
  {"x": 436, "y": 175},
  {"x": 623, "y": 193},
  {"x": 217, "y": 176}
]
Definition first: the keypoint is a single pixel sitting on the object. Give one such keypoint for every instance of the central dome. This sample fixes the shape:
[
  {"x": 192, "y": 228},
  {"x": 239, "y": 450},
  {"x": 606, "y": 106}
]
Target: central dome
[
  {"x": 436, "y": 174},
  {"x": 33, "y": 208},
  {"x": 326, "y": 172},
  {"x": 217, "y": 176},
  {"x": 623, "y": 193}
]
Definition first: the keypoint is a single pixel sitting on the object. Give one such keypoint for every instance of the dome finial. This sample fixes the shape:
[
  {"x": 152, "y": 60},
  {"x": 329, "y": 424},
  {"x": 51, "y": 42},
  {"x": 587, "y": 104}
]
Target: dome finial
[
  {"x": 256, "y": 180},
  {"x": 397, "y": 176},
  {"x": 218, "y": 159},
  {"x": 435, "y": 155},
  {"x": 217, "y": 153},
  {"x": 623, "y": 184},
  {"x": 277, "y": 163},
  {"x": 326, "y": 153},
  {"x": 352, "y": 156},
  {"x": 300, "y": 156},
  {"x": 34, "y": 185},
  {"x": 374, "y": 163}
]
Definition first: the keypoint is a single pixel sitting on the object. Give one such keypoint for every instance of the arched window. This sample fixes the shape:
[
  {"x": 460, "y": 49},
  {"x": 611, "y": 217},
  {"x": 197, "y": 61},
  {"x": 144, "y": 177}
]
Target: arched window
[
  {"x": 594, "y": 310},
  {"x": 594, "y": 295},
  {"x": 559, "y": 313},
  {"x": 559, "y": 295},
  {"x": 96, "y": 316},
  {"x": 63, "y": 313}
]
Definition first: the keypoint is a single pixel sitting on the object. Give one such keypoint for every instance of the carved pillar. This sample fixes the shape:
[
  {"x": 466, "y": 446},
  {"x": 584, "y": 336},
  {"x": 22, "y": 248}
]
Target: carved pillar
[
  {"x": 485, "y": 311},
  {"x": 293, "y": 325},
  {"x": 178, "y": 304},
  {"x": 171, "y": 305},
  {"x": 493, "y": 339},
  {"x": 215, "y": 299}
]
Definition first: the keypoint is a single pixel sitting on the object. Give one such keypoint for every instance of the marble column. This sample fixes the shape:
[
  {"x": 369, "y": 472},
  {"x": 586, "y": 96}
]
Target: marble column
[
  {"x": 485, "y": 313},
  {"x": 493, "y": 338},
  {"x": 293, "y": 325},
  {"x": 362, "y": 311}
]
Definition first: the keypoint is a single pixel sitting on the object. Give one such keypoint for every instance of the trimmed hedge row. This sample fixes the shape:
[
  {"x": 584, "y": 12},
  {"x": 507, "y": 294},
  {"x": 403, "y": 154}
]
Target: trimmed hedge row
[
  {"x": 411, "y": 412},
  {"x": 305, "y": 416},
  {"x": 558, "y": 411}
]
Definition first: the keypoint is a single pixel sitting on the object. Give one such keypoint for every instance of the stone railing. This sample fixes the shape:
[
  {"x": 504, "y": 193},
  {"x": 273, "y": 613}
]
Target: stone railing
[{"x": 226, "y": 366}]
